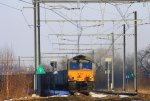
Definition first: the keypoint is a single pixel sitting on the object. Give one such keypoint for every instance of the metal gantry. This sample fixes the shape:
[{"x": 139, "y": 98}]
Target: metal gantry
[
  {"x": 92, "y": 1},
  {"x": 90, "y": 21},
  {"x": 37, "y": 53},
  {"x": 98, "y": 34},
  {"x": 94, "y": 44}
]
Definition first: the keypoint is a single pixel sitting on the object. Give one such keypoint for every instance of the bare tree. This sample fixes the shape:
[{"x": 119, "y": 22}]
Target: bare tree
[
  {"x": 144, "y": 61},
  {"x": 63, "y": 63},
  {"x": 11, "y": 80},
  {"x": 7, "y": 64}
]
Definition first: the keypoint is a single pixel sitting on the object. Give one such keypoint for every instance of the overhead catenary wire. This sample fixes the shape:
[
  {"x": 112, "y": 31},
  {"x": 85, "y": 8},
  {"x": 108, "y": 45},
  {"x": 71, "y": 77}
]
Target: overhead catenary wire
[
  {"x": 148, "y": 8},
  {"x": 20, "y": 10},
  {"x": 10, "y": 6},
  {"x": 128, "y": 9},
  {"x": 25, "y": 19},
  {"x": 121, "y": 14},
  {"x": 21, "y": 0},
  {"x": 51, "y": 9},
  {"x": 48, "y": 9},
  {"x": 63, "y": 16},
  {"x": 80, "y": 30},
  {"x": 109, "y": 48}
]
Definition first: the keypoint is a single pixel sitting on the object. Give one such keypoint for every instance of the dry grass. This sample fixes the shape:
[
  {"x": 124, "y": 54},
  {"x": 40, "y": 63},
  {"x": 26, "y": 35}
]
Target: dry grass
[{"x": 19, "y": 86}]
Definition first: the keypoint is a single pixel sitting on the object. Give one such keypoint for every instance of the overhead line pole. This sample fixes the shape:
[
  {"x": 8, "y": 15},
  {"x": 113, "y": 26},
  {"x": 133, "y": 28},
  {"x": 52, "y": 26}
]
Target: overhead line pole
[
  {"x": 135, "y": 51},
  {"x": 124, "y": 55},
  {"x": 38, "y": 47},
  {"x": 38, "y": 34},
  {"x": 112, "y": 86},
  {"x": 19, "y": 63},
  {"x": 78, "y": 44},
  {"x": 108, "y": 77},
  {"x": 37, "y": 53}
]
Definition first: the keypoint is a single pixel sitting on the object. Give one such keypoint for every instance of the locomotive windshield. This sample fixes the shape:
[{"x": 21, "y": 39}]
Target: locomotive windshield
[
  {"x": 77, "y": 66},
  {"x": 86, "y": 65},
  {"x": 74, "y": 66}
]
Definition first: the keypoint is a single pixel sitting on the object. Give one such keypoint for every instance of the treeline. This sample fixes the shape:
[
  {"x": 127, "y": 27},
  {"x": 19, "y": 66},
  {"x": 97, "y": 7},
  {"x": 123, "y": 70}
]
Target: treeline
[
  {"x": 16, "y": 82},
  {"x": 13, "y": 83},
  {"x": 143, "y": 71}
]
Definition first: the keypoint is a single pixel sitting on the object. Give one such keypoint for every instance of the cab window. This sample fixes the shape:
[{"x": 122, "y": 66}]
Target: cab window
[
  {"x": 74, "y": 66},
  {"x": 87, "y": 66}
]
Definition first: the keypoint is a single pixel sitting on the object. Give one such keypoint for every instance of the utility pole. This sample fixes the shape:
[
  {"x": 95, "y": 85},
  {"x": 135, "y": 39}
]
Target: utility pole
[
  {"x": 108, "y": 75},
  {"x": 135, "y": 51},
  {"x": 93, "y": 53},
  {"x": 37, "y": 53},
  {"x": 124, "y": 55},
  {"x": 19, "y": 64},
  {"x": 112, "y": 84},
  {"x": 78, "y": 44}
]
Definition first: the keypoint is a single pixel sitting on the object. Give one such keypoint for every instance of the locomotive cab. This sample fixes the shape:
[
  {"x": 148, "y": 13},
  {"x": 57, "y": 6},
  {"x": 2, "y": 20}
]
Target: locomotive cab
[{"x": 80, "y": 73}]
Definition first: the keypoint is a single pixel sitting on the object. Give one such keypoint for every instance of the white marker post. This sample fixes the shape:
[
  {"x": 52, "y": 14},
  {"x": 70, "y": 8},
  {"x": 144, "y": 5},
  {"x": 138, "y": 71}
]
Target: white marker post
[{"x": 108, "y": 72}]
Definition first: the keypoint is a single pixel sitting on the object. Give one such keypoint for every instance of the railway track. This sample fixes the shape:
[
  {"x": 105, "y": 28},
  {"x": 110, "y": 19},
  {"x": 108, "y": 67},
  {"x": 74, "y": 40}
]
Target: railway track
[
  {"x": 99, "y": 92},
  {"x": 80, "y": 92},
  {"x": 115, "y": 92}
]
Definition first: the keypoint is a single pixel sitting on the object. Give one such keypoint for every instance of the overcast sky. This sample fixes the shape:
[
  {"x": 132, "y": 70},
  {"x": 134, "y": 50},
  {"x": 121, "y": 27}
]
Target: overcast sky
[{"x": 16, "y": 33}]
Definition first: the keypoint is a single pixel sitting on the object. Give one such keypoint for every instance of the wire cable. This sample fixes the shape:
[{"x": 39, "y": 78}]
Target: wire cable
[
  {"x": 20, "y": 10},
  {"x": 10, "y": 6},
  {"x": 26, "y": 21}
]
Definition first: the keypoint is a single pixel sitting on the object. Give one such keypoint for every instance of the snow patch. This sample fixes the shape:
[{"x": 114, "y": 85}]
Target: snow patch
[
  {"x": 34, "y": 95},
  {"x": 77, "y": 93},
  {"x": 92, "y": 94},
  {"x": 123, "y": 96},
  {"x": 59, "y": 96},
  {"x": 9, "y": 100},
  {"x": 59, "y": 93}
]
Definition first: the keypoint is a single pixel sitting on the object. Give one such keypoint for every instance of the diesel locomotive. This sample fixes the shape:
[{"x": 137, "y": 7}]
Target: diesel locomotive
[{"x": 80, "y": 73}]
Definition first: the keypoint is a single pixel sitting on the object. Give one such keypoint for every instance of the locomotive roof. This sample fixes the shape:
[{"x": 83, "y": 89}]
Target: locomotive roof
[{"x": 82, "y": 57}]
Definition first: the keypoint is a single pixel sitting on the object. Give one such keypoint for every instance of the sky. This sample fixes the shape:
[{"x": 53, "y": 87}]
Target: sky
[{"x": 16, "y": 26}]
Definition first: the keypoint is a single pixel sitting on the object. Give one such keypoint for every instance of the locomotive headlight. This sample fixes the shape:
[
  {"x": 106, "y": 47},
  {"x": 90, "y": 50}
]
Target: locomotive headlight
[
  {"x": 87, "y": 78},
  {"x": 91, "y": 77},
  {"x": 72, "y": 78}
]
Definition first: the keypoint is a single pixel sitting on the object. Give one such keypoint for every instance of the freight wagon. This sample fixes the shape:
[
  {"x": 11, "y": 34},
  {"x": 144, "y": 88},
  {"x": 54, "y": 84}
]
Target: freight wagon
[{"x": 52, "y": 81}]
